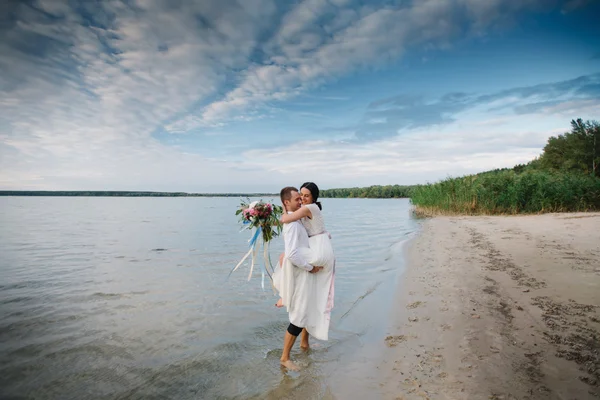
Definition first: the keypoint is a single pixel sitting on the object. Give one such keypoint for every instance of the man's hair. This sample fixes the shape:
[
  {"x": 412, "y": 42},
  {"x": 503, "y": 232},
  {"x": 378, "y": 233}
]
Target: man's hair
[{"x": 286, "y": 193}]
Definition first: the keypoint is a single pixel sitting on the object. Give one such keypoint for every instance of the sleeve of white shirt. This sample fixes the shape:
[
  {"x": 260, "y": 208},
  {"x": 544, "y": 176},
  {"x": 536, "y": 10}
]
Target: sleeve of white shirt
[{"x": 291, "y": 248}]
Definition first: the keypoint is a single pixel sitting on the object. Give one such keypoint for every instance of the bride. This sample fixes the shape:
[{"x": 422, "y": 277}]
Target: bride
[{"x": 320, "y": 253}]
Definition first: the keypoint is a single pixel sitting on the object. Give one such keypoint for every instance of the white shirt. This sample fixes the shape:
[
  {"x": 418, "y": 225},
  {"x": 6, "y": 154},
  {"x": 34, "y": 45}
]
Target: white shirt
[{"x": 295, "y": 237}]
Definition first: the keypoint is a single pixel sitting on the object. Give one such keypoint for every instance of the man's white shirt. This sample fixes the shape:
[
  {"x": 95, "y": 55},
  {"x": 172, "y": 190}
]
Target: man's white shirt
[{"x": 296, "y": 237}]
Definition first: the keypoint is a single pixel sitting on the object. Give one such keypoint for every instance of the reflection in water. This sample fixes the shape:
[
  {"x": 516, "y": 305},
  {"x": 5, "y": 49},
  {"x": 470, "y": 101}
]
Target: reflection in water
[{"x": 127, "y": 298}]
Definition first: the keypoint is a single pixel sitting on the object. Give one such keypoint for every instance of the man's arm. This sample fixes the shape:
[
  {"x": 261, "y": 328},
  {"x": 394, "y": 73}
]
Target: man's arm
[{"x": 291, "y": 247}]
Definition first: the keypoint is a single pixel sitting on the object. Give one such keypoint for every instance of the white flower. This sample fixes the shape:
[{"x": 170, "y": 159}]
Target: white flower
[{"x": 252, "y": 205}]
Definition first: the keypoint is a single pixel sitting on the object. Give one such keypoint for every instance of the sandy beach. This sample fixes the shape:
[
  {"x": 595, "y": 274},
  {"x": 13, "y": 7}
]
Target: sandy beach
[{"x": 498, "y": 308}]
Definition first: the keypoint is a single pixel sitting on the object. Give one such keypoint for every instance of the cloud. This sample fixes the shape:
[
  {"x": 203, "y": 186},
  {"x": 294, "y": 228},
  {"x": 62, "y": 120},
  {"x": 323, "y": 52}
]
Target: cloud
[
  {"x": 387, "y": 117},
  {"x": 419, "y": 155},
  {"x": 312, "y": 47},
  {"x": 549, "y": 90},
  {"x": 408, "y": 112},
  {"x": 84, "y": 79},
  {"x": 88, "y": 89}
]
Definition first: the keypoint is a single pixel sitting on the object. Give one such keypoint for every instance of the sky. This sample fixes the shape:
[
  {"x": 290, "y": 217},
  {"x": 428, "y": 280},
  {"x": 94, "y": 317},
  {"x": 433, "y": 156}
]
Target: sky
[{"x": 252, "y": 95}]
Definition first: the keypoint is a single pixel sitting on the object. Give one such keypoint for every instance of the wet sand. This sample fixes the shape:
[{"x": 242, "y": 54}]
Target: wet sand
[{"x": 498, "y": 308}]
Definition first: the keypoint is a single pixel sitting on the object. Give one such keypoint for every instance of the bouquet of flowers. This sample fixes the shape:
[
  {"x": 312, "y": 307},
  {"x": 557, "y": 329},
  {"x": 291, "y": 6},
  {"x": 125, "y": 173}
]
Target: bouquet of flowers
[{"x": 263, "y": 218}]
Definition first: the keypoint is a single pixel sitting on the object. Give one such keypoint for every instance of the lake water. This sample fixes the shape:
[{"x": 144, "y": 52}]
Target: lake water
[{"x": 128, "y": 298}]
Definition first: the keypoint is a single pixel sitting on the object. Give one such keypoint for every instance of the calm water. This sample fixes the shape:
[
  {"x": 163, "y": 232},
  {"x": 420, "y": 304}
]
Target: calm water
[{"x": 128, "y": 298}]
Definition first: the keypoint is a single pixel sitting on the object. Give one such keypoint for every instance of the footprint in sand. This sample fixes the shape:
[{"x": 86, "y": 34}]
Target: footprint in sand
[
  {"x": 415, "y": 304},
  {"x": 392, "y": 341}
]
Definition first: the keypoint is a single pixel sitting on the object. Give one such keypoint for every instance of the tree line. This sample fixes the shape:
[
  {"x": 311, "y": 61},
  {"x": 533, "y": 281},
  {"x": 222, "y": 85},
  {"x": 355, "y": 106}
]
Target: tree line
[
  {"x": 371, "y": 192},
  {"x": 576, "y": 151}
]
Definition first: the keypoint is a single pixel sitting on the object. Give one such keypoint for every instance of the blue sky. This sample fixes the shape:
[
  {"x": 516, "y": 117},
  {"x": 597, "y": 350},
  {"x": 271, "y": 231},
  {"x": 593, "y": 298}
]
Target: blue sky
[{"x": 210, "y": 96}]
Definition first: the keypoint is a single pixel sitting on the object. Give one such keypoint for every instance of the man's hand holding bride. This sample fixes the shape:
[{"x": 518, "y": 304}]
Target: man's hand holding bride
[{"x": 315, "y": 269}]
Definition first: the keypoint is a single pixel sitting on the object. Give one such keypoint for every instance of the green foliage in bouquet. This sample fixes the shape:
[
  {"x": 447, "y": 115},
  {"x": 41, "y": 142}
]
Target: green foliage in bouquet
[{"x": 263, "y": 216}]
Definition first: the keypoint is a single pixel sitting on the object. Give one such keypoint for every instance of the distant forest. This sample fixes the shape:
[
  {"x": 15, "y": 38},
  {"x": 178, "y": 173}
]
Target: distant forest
[{"x": 371, "y": 192}]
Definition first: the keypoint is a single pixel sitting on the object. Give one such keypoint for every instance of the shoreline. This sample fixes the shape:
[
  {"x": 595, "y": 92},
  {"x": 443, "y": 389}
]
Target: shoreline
[
  {"x": 359, "y": 349},
  {"x": 495, "y": 307}
]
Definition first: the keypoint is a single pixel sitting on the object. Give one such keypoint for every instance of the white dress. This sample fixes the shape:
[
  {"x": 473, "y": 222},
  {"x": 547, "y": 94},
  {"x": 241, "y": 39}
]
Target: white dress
[{"x": 309, "y": 297}]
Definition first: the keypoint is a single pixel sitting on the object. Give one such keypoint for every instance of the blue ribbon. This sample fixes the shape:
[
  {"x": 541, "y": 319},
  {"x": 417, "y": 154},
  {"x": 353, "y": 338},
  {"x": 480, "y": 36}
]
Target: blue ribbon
[
  {"x": 253, "y": 240},
  {"x": 252, "y": 244}
]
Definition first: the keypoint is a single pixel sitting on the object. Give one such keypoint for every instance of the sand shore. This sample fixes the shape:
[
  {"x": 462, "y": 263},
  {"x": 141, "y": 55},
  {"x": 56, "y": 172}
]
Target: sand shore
[{"x": 498, "y": 308}]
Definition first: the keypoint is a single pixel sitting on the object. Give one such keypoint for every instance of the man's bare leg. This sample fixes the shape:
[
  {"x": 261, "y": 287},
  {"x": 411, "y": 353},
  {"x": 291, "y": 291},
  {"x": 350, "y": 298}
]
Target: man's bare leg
[
  {"x": 304, "y": 340},
  {"x": 288, "y": 343}
]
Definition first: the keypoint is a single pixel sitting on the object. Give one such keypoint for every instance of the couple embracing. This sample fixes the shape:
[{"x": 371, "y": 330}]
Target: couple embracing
[{"x": 305, "y": 274}]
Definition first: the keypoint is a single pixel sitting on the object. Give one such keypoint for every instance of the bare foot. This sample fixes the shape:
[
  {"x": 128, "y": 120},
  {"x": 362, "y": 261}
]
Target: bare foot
[
  {"x": 290, "y": 365},
  {"x": 312, "y": 346},
  {"x": 304, "y": 340},
  {"x": 279, "y": 303}
]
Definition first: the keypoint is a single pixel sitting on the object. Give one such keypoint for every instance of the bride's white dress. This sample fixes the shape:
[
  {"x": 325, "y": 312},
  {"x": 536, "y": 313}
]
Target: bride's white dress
[{"x": 309, "y": 297}]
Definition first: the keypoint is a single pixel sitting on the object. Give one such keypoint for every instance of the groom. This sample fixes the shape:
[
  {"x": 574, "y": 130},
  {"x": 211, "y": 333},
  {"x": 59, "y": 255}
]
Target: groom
[{"x": 295, "y": 237}]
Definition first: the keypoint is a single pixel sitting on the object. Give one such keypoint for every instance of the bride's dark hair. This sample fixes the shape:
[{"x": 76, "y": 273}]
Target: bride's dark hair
[{"x": 314, "y": 191}]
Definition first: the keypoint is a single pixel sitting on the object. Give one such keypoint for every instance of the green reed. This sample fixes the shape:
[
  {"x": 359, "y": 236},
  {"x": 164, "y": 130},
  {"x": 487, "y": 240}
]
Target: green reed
[{"x": 508, "y": 192}]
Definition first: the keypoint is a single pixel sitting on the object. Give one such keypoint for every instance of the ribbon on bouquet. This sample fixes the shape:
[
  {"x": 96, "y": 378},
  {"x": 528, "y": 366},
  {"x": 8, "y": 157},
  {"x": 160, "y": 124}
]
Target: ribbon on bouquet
[{"x": 254, "y": 244}]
